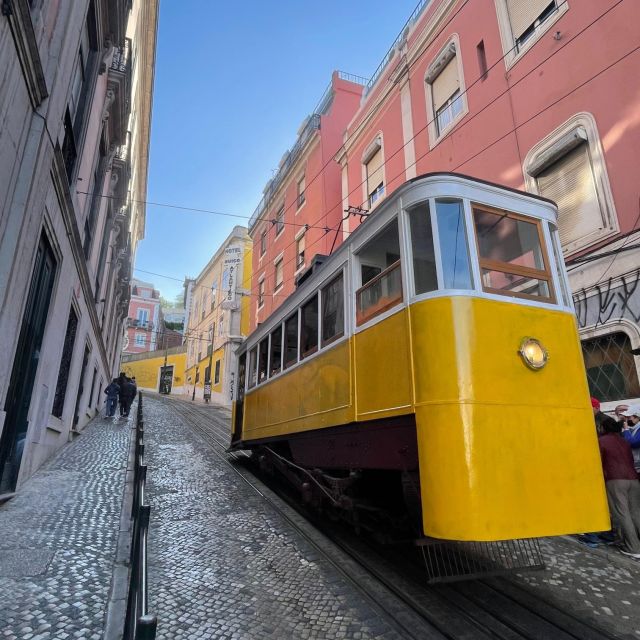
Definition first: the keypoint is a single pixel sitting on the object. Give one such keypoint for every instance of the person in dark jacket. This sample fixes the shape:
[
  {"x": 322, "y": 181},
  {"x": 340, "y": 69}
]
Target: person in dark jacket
[
  {"x": 631, "y": 431},
  {"x": 122, "y": 380},
  {"x": 623, "y": 487},
  {"x": 128, "y": 395},
  {"x": 112, "y": 391}
]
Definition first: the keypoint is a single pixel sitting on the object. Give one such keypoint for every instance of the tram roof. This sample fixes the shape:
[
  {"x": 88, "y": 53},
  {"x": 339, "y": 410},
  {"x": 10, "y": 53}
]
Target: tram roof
[{"x": 336, "y": 258}]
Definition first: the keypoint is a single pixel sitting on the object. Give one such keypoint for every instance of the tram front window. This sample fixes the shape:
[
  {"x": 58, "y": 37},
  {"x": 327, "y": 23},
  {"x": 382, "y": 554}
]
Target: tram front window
[
  {"x": 512, "y": 258},
  {"x": 424, "y": 259},
  {"x": 454, "y": 252}
]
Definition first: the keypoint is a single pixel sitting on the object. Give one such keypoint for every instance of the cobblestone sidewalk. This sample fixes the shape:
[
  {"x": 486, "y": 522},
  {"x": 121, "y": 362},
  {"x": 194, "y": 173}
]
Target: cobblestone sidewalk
[
  {"x": 58, "y": 539},
  {"x": 223, "y": 565}
]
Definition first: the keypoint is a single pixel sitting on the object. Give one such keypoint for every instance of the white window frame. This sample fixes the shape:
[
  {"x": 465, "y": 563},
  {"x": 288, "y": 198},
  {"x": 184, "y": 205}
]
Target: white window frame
[
  {"x": 263, "y": 235},
  {"x": 140, "y": 339},
  {"x": 277, "y": 287},
  {"x": 377, "y": 144},
  {"x": 450, "y": 51},
  {"x": 511, "y": 54},
  {"x": 543, "y": 154},
  {"x": 302, "y": 193},
  {"x": 278, "y": 221},
  {"x": 299, "y": 236},
  {"x": 261, "y": 294}
]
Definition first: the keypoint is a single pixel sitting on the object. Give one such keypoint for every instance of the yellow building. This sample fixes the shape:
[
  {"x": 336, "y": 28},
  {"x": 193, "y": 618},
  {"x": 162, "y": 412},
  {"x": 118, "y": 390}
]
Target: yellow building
[
  {"x": 158, "y": 371},
  {"x": 218, "y": 319}
]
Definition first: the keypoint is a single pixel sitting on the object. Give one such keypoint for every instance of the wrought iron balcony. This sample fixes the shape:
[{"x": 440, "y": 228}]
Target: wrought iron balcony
[{"x": 310, "y": 127}]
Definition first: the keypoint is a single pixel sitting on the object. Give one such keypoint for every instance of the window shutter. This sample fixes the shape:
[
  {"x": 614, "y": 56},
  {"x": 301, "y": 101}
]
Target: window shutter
[
  {"x": 374, "y": 171},
  {"x": 570, "y": 183},
  {"x": 523, "y": 13},
  {"x": 445, "y": 84}
]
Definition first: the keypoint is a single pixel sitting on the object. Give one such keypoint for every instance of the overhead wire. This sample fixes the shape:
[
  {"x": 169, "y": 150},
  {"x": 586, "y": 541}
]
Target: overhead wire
[
  {"x": 510, "y": 131},
  {"x": 464, "y": 123}
]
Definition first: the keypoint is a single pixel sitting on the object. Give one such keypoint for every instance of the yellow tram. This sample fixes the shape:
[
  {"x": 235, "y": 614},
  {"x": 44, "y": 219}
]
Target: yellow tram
[{"x": 435, "y": 349}]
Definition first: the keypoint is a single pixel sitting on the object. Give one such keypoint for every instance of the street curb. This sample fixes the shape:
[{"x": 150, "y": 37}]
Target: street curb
[{"x": 119, "y": 589}]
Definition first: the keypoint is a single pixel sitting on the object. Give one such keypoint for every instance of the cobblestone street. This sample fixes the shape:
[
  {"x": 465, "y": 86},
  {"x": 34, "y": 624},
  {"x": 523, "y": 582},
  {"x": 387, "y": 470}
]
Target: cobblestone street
[
  {"x": 222, "y": 565},
  {"x": 58, "y": 539}
]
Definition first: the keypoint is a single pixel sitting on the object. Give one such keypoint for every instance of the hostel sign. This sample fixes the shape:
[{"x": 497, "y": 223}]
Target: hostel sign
[{"x": 231, "y": 265}]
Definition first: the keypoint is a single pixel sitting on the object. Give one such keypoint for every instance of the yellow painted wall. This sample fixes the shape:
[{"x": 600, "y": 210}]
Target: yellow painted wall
[
  {"x": 146, "y": 371},
  {"x": 218, "y": 354},
  {"x": 245, "y": 303}
]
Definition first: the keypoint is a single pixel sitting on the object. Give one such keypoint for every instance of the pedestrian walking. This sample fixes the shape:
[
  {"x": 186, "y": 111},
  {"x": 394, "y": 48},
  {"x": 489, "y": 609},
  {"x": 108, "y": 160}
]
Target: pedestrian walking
[
  {"x": 112, "y": 391},
  {"x": 631, "y": 431},
  {"x": 623, "y": 487},
  {"x": 128, "y": 396},
  {"x": 122, "y": 380}
]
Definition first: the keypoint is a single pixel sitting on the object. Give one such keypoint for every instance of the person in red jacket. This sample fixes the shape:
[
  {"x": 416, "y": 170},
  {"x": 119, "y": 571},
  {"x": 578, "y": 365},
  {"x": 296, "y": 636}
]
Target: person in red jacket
[{"x": 623, "y": 487}]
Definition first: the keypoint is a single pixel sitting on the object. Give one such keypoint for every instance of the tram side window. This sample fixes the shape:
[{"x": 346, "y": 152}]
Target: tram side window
[
  {"x": 424, "y": 259},
  {"x": 263, "y": 355},
  {"x": 381, "y": 274},
  {"x": 512, "y": 259},
  {"x": 291, "y": 340},
  {"x": 276, "y": 352},
  {"x": 333, "y": 310},
  {"x": 309, "y": 327},
  {"x": 454, "y": 251},
  {"x": 253, "y": 364}
]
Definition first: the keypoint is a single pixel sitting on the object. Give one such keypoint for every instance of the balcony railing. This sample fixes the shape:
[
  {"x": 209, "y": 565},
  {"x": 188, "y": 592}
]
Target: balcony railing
[
  {"x": 309, "y": 129},
  {"x": 134, "y": 322},
  {"x": 397, "y": 43}
]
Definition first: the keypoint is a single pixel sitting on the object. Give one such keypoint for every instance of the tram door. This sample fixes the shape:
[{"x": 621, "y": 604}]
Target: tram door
[
  {"x": 237, "y": 425},
  {"x": 25, "y": 365}
]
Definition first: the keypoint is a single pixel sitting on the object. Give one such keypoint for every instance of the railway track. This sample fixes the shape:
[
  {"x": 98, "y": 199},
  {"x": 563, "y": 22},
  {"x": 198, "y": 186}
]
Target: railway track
[{"x": 479, "y": 609}]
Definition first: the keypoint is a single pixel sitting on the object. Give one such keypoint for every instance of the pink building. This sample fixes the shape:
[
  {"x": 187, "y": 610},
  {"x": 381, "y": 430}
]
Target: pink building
[
  {"x": 145, "y": 325},
  {"x": 534, "y": 95},
  {"x": 292, "y": 223}
]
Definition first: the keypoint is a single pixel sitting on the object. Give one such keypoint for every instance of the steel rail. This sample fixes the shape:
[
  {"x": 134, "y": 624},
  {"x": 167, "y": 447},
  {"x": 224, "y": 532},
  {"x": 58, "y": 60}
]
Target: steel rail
[{"x": 485, "y": 608}]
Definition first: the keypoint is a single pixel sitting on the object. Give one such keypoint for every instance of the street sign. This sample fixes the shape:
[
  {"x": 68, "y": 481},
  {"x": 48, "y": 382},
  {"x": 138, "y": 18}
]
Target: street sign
[{"x": 207, "y": 390}]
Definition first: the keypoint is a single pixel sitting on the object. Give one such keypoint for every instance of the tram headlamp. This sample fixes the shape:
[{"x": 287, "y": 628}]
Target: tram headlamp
[{"x": 535, "y": 356}]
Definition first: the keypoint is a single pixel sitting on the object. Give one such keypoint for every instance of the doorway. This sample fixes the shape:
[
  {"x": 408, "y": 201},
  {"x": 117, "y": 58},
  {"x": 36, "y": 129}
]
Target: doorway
[
  {"x": 166, "y": 379},
  {"x": 25, "y": 366}
]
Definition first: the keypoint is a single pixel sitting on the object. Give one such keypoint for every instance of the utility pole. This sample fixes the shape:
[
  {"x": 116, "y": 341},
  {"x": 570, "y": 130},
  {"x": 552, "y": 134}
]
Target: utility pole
[{"x": 207, "y": 395}]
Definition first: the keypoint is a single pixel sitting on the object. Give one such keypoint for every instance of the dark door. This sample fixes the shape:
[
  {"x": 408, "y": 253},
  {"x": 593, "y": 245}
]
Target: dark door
[
  {"x": 166, "y": 379},
  {"x": 25, "y": 366},
  {"x": 85, "y": 360},
  {"x": 239, "y": 414}
]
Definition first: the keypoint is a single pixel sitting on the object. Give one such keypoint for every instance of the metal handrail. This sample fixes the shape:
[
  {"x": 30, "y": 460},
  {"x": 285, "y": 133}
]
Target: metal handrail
[
  {"x": 139, "y": 624},
  {"x": 420, "y": 7}
]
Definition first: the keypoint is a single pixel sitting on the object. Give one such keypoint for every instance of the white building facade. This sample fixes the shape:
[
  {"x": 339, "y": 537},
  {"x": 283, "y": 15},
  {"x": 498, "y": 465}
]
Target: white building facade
[{"x": 75, "y": 108}]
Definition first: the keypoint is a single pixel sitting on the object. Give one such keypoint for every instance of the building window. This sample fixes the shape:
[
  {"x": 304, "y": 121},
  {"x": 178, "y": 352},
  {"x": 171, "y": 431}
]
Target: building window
[
  {"x": 280, "y": 221},
  {"x": 611, "y": 369},
  {"x": 263, "y": 242},
  {"x": 332, "y": 297},
  {"x": 300, "y": 244},
  {"x": 568, "y": 168},
  {"x": 522, "y": 22},
  {"x": 446, "y": 93},
  {"x": 65, "y": 364},
  {"x": 140, "y": 339},
  {"x": 220, "y": 326},
  {"x": 374, "y": 174},
  {"x": 216, "y": 375},
  {"x": 279, "y": 271},
  {"x": 143, "y": 317},
  {"x": 300, "y": 191},
  {"x": 261, "y": 294}
]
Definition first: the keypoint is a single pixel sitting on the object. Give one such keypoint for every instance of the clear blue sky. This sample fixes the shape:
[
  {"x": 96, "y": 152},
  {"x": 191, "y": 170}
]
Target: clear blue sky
[{"x": 233, "y": 81}]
